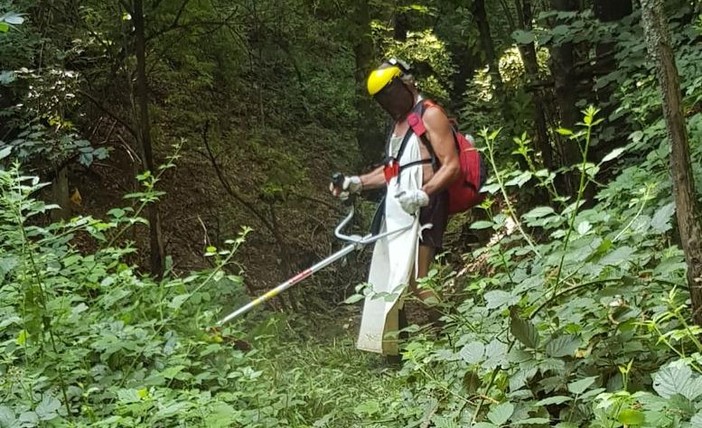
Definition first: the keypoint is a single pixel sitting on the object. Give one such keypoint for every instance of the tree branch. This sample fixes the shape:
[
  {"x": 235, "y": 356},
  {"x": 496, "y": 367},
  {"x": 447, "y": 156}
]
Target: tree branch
[
  {"x": 233, "y": 193},
  {"x": 173, "y": 25},
  {"x": 107, "y": 111}
]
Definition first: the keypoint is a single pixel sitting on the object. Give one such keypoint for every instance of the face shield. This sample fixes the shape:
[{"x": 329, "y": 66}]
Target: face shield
[{"x": 395, "y": 98}]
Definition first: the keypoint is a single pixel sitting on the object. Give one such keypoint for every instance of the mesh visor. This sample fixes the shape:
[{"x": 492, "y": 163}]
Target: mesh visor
[{"x": 395, "y": 98}]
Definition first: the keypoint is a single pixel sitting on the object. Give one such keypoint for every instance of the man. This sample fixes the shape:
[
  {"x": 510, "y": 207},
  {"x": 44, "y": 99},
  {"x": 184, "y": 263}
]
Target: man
[{"x": 393, "y": 88}]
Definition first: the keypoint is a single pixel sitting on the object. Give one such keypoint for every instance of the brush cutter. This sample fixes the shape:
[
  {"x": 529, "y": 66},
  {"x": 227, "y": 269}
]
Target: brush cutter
[{"x": 355, "y": 242}]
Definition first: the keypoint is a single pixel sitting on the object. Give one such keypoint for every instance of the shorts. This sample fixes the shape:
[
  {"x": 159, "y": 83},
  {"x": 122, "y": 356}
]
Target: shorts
[{"x": 435, "y": 213}]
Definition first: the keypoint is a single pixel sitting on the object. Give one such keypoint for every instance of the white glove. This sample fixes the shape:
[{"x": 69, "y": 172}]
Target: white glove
[
  {"x": 350, "y": 185},
  {"x": 412, "y": 200}
]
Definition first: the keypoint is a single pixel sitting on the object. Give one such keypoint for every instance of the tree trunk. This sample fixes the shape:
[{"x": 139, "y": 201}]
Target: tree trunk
[
  {"x": 689, "y": 213},
  {"x": 609, "y": 11},
  {"x": 370, "y": 140},
  {"x": 481, "y": 20},
  {"x": 142, "y": 95},
  {"x": 528, "y": 54},
  {"x": 565, "y": 82},
  {"x": 60, "y": 195},
  {"x": 400, "y": 25}
]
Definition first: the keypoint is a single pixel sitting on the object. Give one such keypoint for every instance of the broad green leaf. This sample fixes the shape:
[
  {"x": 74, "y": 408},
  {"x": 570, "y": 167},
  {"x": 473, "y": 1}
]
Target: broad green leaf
[
  {"x": 47, "y": 408},
  {"x": 567, "y": 425},
  {"x": 7, "y": 416},
  {"x": 498, "y": 298},
  {"x": 484, "y": 425},
  {"x": 6, "y": 77},
  {"x": 12, "y": 18},
  {"x": 564, "y": 131},
  {"x": 178, "y": 301},
  {"x": 677, "y": 378},
  {"x": 539, "y": 212},
  {"x": 563, "y": 346},
  {"x": 613, "y": 155},
  {"x": 523, "y": 37},
  {"x": 523, "y": 330},
  {"x": 618, "y": 256},
  {"x": 354, "y": 298},
  {"x": 128, "y": 396},
  {"x": 500, "y": 414},
  {"x": 482, "y": 224},
  {"x": 661, "y": 221},
  {"x": 579, "y": 386},
  {"x": 473, "y": 352},
  {"x": 4, "y": 28},
  {"x": 556, "y": 399},
  {"x": 520, "y": 180},
  {"x": 584, "y": 227},
  {"x": 169, "y": 373},
  {"x": 682, "y": 405},
  {"x": 631, "y": 417},
  {"x": 5, "y": 152}
]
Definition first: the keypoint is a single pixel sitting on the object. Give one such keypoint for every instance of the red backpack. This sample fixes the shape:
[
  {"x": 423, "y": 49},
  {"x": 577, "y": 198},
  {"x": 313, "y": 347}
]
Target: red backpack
[{"x": 464, "y": 193}]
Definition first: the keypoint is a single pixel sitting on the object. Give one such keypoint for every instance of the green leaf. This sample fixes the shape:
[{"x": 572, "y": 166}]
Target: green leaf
[
  {"x": 556, "y": 399},
  {"x": 531, "y": 421},
  {"x": 482, "y": 224},
  {"x": 618, "y": 256},
  {"x": 7, "y": 417},
  {"x": 12, "y": 18},
  {"x": 584, "y": 227},
  {"x": 178, "y": 301},
  {"x": 6, "y": 77},
  {"x": 500, "y": 414},
  {"x": 579, "y": 386},
  {"x": 661, "y": 221},
  {"x": 563, "y": 346},
  {"x": 520, "y": 180},
  {"x": 498, "y": 298},
  {"x": 523, "y": 330},
  {"x": 696, "y": 420},
  {"x": 4, "y": 28},
  {"x": 539, "y": 212},
  {"x": 613, "y": 155},
  {"x": 473, "y": 352},
  {"x": 523, "y": 37},
  {"x": 484, "y": 425},
  {"x": 5, "y": 152},
  {"x": 564, "y": 131},
  {"x": 354, "y": 298},
  {"x": 677, "y": 378},
  {"x": 47, "y": 408},
  {"x": 631, "y": 417}
]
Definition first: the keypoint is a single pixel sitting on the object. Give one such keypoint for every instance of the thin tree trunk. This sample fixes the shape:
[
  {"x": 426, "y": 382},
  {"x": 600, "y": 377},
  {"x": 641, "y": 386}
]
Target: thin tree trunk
[
  {"x": 481, "y": 20},
  {"x": 565, "y": 82},
  {"x": 370, "y": 140},
  {"x": 689, "y": 213},
  {"x": 528, "y": 54},
  {"x": 142, "y": 95},
  {"x": 61, "y": 195},
  {"x": 609, "y": 11}
]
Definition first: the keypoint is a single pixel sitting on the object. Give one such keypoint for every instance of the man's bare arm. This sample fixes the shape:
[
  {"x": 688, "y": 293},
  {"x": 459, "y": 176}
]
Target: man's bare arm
[
  {"x": 374, "y": 179},
  {"x": 439, "y": 133}
]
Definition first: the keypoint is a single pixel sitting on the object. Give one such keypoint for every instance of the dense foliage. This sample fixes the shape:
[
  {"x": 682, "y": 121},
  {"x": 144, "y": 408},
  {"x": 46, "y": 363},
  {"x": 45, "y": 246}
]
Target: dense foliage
[{"x": 573, "y": 311}]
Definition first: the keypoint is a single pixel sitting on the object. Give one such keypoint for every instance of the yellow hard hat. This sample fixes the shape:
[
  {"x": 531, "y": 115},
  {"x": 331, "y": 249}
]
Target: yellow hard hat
[{"x": 381, "y": 77}]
